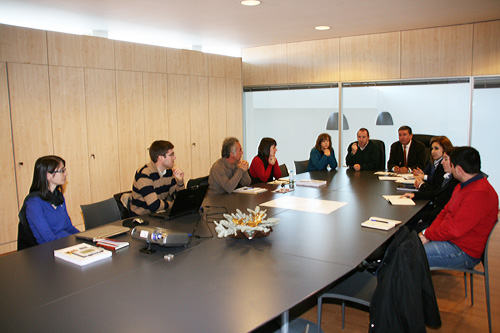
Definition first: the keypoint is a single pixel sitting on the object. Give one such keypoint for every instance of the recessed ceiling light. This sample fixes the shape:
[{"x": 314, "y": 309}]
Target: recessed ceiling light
[
  {"x": 322, "y": 27},
  {"x": 250, "y": 2}
]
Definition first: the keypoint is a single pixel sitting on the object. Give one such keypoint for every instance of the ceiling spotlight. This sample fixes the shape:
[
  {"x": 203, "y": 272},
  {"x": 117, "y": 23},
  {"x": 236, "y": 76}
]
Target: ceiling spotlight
[
  {"x": 250, "y": 2},
  {"x": 322, "y": 27}
]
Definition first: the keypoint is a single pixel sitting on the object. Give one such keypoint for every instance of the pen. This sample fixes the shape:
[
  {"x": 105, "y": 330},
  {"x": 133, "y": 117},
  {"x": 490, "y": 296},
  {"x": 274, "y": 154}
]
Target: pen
[{"x": 375, "y": 220}]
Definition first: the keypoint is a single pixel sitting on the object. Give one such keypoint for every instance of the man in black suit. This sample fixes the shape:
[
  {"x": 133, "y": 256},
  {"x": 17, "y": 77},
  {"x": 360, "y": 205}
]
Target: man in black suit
[{"x": 406, "y": 154}]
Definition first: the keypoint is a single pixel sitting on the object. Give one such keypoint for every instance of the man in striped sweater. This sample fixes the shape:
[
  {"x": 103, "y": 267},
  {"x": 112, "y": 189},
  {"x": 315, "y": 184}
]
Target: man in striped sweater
[{"x": 156, "y": 183}]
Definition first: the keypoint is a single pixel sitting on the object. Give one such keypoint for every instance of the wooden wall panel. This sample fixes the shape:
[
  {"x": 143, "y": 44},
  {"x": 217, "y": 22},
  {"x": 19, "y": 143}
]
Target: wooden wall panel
[
  {"x": 179, "y": 122},
  {"x": 23, "y": 45},
  {"x": 486, "y": 56},
  {"x": 80, "y": 51},
  {"x": 186, "y": 62},
  {"x": 234, "y": 108},
  {"x": 222, "y": 66},
  {"x": 31, "y": 120},
  {"x": 313, "y": 61},
  {"x": 217, "y": 113},
  {"x": 8, "y": 195},
  {"x": 132, "y": 148},
  {"x": 67, "y": 99},
  {"x": 264, "y": 65},
  {"x": 370, "y": 57},
  {"x": 140, "y": 57},
  {"x": 200, "y": 131},
  {"x": 102, "y": 134},
  {"x": 437, "y": 52},
  {"x": 156, "y": 120}
]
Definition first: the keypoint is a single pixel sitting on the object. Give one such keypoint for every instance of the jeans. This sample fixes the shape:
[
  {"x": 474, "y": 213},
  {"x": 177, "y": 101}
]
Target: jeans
[{"x": 447, "y": 254}]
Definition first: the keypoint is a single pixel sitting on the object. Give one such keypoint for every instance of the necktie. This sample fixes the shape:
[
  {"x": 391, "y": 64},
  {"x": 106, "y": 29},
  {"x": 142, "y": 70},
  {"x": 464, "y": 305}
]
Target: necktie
[{"x": 405, "y": 162}]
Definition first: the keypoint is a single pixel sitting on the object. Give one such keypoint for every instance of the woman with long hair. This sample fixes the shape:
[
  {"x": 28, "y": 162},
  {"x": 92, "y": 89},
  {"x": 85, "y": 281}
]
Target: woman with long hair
[
  {"x": 44, "y": 209},
  {"x": 322, "y": 154},
  {"x": 265, "y": 167}
]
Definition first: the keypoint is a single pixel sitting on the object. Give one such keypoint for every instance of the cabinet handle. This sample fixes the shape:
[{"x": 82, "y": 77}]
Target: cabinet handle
[
  {"x": 21, "y": 163},
  {"x": 193, "y": 144},
  {"x": 93, "y": 156}
]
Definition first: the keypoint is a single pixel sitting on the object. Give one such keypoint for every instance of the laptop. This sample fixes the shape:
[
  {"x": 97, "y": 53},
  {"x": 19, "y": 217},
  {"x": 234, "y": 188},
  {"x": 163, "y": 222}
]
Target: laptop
[
  {"x": 186, "y": 201},
  {"x": 104, "y": 231}
]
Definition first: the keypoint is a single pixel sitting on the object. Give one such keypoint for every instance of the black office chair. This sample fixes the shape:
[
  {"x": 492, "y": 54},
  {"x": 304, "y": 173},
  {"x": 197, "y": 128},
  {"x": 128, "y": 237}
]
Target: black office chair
[
  {"x": 25, "y": 238},
  {"x": 357, "y": 288},
  {"x": 426, "y": 140},
  {"x": 471, "y": 273},
  {"x": 284, "y": 170},
  {"x": 381, "y": 146},
  {"x": 99, "y": 213},
  {"x": 301, "y": 166},
  {"x": 123, "y": 201},
  {"x": 197, "y": 181}
]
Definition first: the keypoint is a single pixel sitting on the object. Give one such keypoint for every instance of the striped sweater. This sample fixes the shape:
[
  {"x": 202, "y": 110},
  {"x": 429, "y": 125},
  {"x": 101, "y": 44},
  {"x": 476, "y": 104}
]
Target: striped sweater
[{"x": 152, "y": 192}]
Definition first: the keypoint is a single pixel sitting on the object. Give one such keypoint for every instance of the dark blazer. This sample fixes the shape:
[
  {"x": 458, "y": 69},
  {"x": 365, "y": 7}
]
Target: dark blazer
[
  {"x": 404, "y": 299},
  {"x": 416, "y": 155}
]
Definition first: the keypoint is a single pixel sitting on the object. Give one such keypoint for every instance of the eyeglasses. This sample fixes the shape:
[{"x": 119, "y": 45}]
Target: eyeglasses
[{"x": 63, "y": 170}]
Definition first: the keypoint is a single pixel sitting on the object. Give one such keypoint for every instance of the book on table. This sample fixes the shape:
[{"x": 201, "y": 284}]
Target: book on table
[
  {"x": 250, "y": 190},
  {"x": 380, "y": 223},
  {"x": 82, "y": 254},
  {"x": 310, "y": 182}
]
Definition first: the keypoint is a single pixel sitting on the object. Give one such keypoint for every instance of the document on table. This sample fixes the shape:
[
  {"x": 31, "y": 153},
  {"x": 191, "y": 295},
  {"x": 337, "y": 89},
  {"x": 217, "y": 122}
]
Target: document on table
[
  {"x": 398, "y": 200},
  {"x": 380, "y": 223},
  {"x": 305, "y": 204},
  {"x": 385, "y": 173},
  {"x": 406, "y": 181},
  {"x": 390, "y": 178}
]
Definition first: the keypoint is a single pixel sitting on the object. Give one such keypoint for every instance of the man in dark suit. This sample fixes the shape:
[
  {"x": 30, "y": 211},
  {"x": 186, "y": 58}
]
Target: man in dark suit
[{"x": 406, "y": 153}]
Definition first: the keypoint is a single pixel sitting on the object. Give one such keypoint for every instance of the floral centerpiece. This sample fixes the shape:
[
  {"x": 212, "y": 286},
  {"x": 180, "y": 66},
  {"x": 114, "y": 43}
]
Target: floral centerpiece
[{"x": 242, "y": 225}]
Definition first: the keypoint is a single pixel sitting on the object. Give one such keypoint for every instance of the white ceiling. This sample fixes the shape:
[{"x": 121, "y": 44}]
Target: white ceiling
[{"x": 225, "y": 26}]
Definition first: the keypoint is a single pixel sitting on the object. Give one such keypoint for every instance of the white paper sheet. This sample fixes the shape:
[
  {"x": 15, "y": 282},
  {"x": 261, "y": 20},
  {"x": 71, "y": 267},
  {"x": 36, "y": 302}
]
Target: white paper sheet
[{"x": 305, "y": 204}]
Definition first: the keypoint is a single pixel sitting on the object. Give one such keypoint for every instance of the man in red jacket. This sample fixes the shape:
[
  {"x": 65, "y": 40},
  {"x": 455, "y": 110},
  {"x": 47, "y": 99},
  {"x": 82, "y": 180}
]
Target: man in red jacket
[{"x": 458, "y": 235}]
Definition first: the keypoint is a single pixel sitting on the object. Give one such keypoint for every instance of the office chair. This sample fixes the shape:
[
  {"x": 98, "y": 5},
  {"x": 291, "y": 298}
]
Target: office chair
[
  {"x": 301, "y": 166},
  {"x": 471, "y": 272},
  {"x": 123, "y": 201},
  {"x": 426, "y": 140},
  {"x": 357, "y": 288},
  {"x": 25, "y": 238},
  {"x": 284, "y": 170},
  {"x": 99, "y": 213},
  {"x": 197, "y": 181},
  {"x": 381, "y": 145}
]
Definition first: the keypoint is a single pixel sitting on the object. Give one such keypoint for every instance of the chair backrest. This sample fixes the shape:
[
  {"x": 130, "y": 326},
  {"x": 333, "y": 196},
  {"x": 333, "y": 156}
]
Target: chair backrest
[
  {"x": 25, "y": 238},
  {"x": 301, "y": 166},
  {"x": 197, "y": 181},
  {"x": 381, "y": 146},
  {"x": 123, "y": 201},
  {"x": 426, "y": 140},
  {"x": 99, "y": 213},
  {"x": 284, "y": 170}
]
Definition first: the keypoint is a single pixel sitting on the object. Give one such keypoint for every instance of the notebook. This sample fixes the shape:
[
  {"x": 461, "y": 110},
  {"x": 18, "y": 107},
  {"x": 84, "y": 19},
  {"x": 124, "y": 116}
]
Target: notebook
[
  {"x": 186, "y": 201},
  {"x": 104, "y": 231}
]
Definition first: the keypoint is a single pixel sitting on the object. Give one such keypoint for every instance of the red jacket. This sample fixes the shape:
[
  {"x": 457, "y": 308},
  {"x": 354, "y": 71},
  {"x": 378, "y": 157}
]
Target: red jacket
[{"x": 468, "y": 218}]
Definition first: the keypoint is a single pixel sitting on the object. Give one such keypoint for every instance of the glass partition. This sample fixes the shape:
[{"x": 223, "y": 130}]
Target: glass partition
[{"x": 294, "y": 118}]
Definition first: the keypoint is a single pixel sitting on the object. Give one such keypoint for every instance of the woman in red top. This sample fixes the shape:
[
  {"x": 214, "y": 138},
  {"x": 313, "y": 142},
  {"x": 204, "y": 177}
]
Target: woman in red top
[{"x": 265, "y": 166}]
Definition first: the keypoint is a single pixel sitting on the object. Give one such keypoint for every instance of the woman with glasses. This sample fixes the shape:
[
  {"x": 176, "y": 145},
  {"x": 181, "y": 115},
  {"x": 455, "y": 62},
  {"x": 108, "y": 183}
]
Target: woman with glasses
[{"x": 44, "y": 209}]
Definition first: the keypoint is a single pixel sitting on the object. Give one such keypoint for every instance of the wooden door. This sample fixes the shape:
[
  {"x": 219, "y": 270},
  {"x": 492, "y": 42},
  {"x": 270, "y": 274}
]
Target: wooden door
[
  {"x": 8, "y": 196},
  {"x": 100, "y": 102},
  {"x": 200, "y": 129}
]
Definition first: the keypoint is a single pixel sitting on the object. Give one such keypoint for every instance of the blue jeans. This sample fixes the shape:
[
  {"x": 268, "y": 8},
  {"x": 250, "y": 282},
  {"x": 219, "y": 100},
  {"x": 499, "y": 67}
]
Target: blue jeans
[{"x": 447, "y": 254}]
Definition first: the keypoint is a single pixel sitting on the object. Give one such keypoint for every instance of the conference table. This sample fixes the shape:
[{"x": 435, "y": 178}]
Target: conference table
[{"x": 212, "y": 285}]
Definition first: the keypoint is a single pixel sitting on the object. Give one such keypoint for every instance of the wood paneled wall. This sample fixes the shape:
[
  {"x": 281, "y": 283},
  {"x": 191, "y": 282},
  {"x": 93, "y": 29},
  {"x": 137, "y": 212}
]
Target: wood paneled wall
[
  {"x": 461, "y": 50},
  {"x": 99, "y": 104}
]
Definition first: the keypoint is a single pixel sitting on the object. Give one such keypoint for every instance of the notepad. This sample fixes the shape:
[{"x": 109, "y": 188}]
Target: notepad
[
  {"x": 250, "y": 190},
  {"x": 311, "y": 182},
  {"x": 398, "y": 200},
  {"x": 380, "y": 223}
]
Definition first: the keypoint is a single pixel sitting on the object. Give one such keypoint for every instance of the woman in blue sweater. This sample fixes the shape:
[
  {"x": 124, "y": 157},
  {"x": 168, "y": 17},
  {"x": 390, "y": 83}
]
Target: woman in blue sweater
[
  {"x": 322, "y": 154},
  {"x": 44, "y": 208}
]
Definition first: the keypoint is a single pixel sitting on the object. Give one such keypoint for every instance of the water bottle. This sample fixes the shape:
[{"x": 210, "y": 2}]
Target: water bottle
[{"x": 291, "y": 179}]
